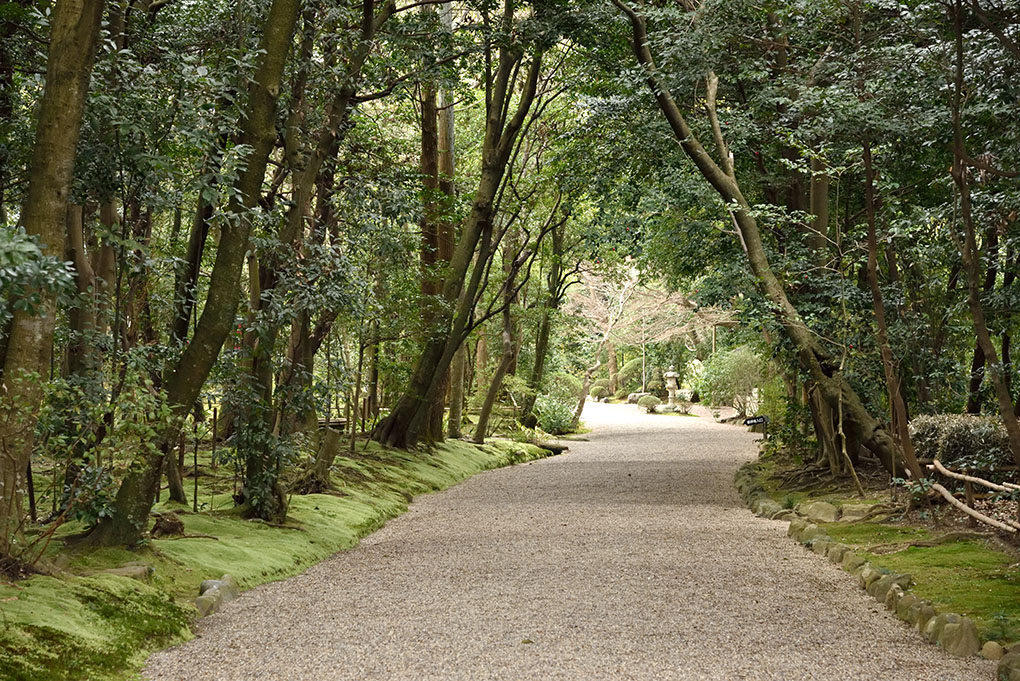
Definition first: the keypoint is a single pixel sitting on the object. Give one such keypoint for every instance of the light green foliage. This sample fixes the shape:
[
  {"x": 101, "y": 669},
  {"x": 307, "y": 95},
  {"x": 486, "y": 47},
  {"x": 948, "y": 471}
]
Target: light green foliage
[
  {"x": 563, "y": 386},
  {"x": 630, "y": 376},
  {"x": 649, "y": 402},
  {"x": 598, "y": 392},
  {"x": 555, "y": 416},
  {"x": 729, "y": 377}
]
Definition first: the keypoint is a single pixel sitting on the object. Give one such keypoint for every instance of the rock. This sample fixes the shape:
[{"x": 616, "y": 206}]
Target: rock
[
  {"x": 991, "y": 650},
  {"x": 851, "y": 561},
  {"x": 868, "y": 576},
  {"x": 797, "y": 525},
  {"x": 958, "y": 636},
  {"x": 209, "y": 602},
  {"x": 1009, "y": 667},
  {"x": 878, "y": 588},
  {"x": 138, "y": 571},
  {"x": 634, "y": 397},
  {"x": 906, "y": 608},
  {"x": 812, "y": 532},
  {"x": 893, "y": 596},
  {"x": 227, "y": 586},
  {"x": 821, "y": 545},
  {"x": 925, "y": 614},
  {"x": 836, "y": 552},
  {"x": 819, "y": 511},
  {"x": 767, "y": 508},
  {"x": 783, "y": 514},
  {"x": 851, "y": 512}
]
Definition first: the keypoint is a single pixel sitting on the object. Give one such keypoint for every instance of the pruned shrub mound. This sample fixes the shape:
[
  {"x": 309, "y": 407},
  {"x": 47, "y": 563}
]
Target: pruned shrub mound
[
  {"x": 649, "y": 403},
  {"x": 563, "y": 387},
  {"x": 961, "y": 440},
  {"x": 602, "y": 382},
  {"x": 683, "y": 406},
  {"x": 598, "y": 392},
  {"x": 555, "y": 416}
]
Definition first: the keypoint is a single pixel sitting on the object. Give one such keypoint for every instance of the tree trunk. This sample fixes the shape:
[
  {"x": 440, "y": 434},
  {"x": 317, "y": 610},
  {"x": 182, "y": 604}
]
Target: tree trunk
[
  {"x": 970, "y": 254},
  {"x": 814, "y": 359},
  {"x": 74, "y": 29},
  {"x": 892, "y": 379},
  {"x": 184, "y": 383},
  {"x": 404, "y": 425},
  {"x": 554, "y": 295},
  {"x": 977, "y": 365},
  {"x": 457, "y": 371}
]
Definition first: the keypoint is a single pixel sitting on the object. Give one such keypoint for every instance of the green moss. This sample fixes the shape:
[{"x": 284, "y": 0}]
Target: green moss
[
  {"x": 86, "y": 628},
  {"x": 870, "y": 534},
  {"x": 102, "y": 627},
  {"x": 965, "y": 577}
]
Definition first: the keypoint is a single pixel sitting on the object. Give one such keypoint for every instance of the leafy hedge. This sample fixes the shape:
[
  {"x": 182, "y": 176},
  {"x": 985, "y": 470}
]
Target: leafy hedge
[{"x": 961, "y": 440}]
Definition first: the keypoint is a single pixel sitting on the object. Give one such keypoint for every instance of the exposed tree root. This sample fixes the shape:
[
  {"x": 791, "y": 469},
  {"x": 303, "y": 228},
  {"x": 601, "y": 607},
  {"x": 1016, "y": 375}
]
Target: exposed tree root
[{"x": 948, "y": 538}]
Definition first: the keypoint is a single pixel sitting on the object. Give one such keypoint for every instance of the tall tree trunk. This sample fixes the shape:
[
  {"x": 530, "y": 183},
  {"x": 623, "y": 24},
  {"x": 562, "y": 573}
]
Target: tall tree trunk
[
  {"x": 892, "y": 379},
  {"x": 497, "y": 379},
  {"x": 74, "y": 30},
  {"x": 813, "y": 358},
  {"x": 184, "y": 383},
  {"x": 613, "y": 366},
  {"x": 406, "y": 422},
  {"x": 977, "y": 365},
  {"x": 553, "y": 297},
  {"x": 971, "y": 255}
]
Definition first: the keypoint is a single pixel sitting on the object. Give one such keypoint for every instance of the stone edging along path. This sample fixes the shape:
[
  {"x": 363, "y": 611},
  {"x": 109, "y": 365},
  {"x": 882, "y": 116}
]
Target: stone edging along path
[{"x": 955, "y": 633}]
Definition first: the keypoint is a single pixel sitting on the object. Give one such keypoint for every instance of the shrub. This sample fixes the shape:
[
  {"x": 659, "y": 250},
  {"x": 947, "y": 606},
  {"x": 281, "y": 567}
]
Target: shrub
[
  {"x": 683, "y": 406},
  {"x": 622, "y": 393},
  {"x": 729, "y": 377},
  {"x": 649, "y": 402},
  {"x": 598, "y": 392},
  {"x": 961, "y": 440},
  {"x": 657, "y": 387},
  {"x": 630, "y": 375},
  {"x": 602, "y": 383},
  {"x": 555, "y": 416},
  {"x": 563, "y": 387}
]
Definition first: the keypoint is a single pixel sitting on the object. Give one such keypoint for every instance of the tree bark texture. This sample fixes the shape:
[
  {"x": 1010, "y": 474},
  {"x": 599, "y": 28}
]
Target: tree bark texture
[{"x": 74, "y": 30}]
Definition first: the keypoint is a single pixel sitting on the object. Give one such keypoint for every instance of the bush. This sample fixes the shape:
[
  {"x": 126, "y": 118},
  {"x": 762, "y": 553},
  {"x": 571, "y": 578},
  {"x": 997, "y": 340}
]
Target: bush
[
  {"x": 649, "y": 402},
  {"x": 563, "y": 387},
  {"x": 629, "y": 377},
  {"x": 683, "y": 406},
  {"x": 657, "y": 386},
  {"x": 622, "y": 393},
  {"x": 602, "y": 383},
  {"x": 598, "y": 392},
  {"x": 729, "y": 377},
  {"x": 961, "y": 440},
  {"x": 555, "y": 416}
]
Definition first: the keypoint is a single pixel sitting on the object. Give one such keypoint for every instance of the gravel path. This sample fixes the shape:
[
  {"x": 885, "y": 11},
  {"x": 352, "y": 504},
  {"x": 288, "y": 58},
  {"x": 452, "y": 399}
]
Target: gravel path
[{"x": 630, "y": 557}]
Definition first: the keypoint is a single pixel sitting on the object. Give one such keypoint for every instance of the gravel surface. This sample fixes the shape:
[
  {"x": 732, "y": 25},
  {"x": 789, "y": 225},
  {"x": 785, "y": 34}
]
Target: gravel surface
[{"x": 630, "y": 557}]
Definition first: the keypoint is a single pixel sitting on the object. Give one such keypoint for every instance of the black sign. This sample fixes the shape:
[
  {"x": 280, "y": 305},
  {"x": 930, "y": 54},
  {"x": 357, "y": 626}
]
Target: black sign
[{"x": 756, "y": 420}]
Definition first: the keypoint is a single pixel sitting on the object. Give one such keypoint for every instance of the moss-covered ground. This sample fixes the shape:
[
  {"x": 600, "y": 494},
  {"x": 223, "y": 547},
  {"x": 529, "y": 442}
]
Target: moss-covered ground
[
  {"x": 974, "y": 577},
  {"x": 87, "y": 626}
]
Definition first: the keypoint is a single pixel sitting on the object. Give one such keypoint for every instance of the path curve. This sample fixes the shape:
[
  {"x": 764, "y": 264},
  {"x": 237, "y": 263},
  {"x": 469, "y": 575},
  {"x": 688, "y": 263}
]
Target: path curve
[{"x": 630, "y": 557}]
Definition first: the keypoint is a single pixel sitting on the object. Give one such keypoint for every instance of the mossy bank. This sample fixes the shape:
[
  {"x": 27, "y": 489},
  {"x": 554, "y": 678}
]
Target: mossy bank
[{"x": 87, "y": 625}]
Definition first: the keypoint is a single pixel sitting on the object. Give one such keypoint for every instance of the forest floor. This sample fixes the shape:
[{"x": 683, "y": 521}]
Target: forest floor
[{"x": 629, "y": 557}]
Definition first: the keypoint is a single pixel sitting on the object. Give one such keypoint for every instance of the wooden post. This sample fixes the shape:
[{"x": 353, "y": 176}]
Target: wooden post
[{"x": 968, "y": 487}]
